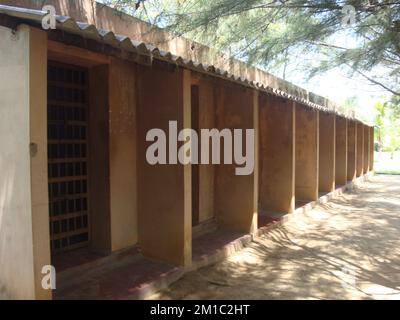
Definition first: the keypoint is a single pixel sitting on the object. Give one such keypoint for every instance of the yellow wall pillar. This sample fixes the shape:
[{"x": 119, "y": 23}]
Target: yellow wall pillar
[
  {"x": 366, "y": 148},
  {"x": 371, "y": 148},
  {"x": 351, "y": 150},
  {"x": 122, "y": 150},
  {"x": 206, "y": 115},
  {"x": 235, "y": 194},
  {"x": 100, "y": 220},
  {"x": 24, "y": 216},
  {"x": 164, "y": 190},
  {"x": 360, "y": 149},
  {"x": 327, "y": 124},
  {"x": 39, "y": 177},
  {"x": 307, "y": 153},
  {"x": 277, "y": 136},
  {"x": 341, "y": 151}
]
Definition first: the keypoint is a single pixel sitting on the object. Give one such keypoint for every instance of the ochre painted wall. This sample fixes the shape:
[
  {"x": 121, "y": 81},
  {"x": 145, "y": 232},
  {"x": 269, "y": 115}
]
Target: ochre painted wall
[
  {"x": 234, "y": 194},
  {"x": 277, "y": 136},
  {"x": 99, "y": 169},
  {"x": 351, "y": 150},
  {"x": 39, "y": 175},
  {"x": 360, "y": 149},
  {"x": 307, "y": 153},
  {"x": 24, "y": 217},
  {"x": 371, "y": 148},
  {"x": 164, "y": 218},
  {"x": 341, "y": 151},
  {"x": 123, "y": 175},
  {"x": 206, "y": 171},
  {"x": 366, "y": 148},
  {"x": 327, "y": 141},
  {"x": 106, "y": 18}
]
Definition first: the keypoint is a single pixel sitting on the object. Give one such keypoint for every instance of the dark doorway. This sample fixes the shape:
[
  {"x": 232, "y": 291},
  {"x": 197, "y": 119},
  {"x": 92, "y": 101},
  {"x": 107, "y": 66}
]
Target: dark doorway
[{"x": 68, "y": 157}]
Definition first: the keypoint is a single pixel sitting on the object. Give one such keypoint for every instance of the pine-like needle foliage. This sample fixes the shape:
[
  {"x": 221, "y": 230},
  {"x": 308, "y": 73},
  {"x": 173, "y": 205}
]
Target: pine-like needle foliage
[{"x": 362, "y": 37}]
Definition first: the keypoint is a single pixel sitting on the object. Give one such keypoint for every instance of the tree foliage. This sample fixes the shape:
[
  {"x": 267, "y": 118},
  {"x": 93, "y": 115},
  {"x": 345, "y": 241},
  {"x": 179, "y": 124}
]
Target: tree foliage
[
  {"x": 387, "y": 122},
  {"x": 316, "y": 35}
]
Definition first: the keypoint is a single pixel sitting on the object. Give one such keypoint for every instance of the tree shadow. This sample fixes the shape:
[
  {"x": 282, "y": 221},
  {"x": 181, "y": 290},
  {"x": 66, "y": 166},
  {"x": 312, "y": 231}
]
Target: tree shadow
[{"x": 348, "y": 248}]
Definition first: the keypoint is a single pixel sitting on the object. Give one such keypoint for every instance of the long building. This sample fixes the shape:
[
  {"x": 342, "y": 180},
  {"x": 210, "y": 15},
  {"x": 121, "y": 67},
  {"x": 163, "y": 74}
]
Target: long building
[{"x": 76, "y": 104}]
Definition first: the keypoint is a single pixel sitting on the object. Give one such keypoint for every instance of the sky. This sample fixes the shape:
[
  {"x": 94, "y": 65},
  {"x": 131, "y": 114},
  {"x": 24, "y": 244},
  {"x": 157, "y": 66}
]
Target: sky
[
  {"x": 335, "y": 84},
  {"x": 338, "y": 87}
]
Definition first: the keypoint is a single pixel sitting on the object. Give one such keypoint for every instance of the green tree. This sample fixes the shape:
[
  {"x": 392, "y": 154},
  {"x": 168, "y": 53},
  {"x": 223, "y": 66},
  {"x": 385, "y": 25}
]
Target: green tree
[
  {"x": 394, "y": 105},
  {"x": 392, "y": 141},
  {"x": 315, "y": 35},
  {"x": 379, "y": 122},
  {"x": 387, "y": 122}
]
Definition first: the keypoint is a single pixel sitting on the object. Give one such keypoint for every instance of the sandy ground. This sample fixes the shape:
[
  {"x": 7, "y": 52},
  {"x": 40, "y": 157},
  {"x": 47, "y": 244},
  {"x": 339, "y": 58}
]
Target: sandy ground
[{"x": 348, "y": 248}]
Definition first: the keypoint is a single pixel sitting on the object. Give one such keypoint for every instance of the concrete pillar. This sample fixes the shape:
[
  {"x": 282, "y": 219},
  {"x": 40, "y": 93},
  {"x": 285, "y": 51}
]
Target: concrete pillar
[
  {"x": 164, "y": 190},
  {"x": 234, "y": 194},
  {"x": 307, "y": 136},
  {"x": 39, "y": 175},
  {"x": 360, "y": 149},
  {"x": 341, "y": 151},
  {"x": 327, "y": 148},
  {"x": 371, "y": 148},
  {"x": 122, "y": 150},
  {"x": 277, "y": 150},
  {"x": 351, "y": 151},
  {"x": 366, "y": 148},
  {"x": 24, "y": 216},
  {"x": 113, "y": 156}
]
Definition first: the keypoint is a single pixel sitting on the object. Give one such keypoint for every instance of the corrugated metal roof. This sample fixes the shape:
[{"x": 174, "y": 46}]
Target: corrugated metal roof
[{"x": 89, "y": 31}]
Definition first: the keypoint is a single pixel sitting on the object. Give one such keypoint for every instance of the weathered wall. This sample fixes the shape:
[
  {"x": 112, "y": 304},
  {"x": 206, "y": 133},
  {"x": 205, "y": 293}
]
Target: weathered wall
[
  {"x": 206, "y": 172},
  {"x": 307, "y": 153},
  {"x": 351, "y": 151},
  {"x": 277, "y": 136},
  {"x": 341, "y": 151},
  {"x": 112, "y": 144},
  {"x": 99, "y": 175},
  {"x": 234, "y": 194},
  {"x": 39, "y": 175},
  {"x": 24, "y": 220},
  {"x": 16, "y": 254},
  {"x": 164, "y": 217},
  {"x": 123, "y": 183},
  {"x": 107, "y": 18},
  {"x": 327, "y": 139},
  {"x": 360, "y": 149},
  {"x": 366, "y": 148}
]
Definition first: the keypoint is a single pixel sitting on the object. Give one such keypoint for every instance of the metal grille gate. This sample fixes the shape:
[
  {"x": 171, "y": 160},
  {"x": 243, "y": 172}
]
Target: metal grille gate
[{"x": 67, "y": 156}]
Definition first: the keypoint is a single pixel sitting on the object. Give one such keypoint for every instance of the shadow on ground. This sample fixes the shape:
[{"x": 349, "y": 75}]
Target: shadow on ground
[{"x": 348, "y": 248}]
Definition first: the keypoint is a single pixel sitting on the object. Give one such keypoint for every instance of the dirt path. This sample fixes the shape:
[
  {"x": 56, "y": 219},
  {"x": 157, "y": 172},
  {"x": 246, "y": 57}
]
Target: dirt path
[{"x": 346, "y": 249}]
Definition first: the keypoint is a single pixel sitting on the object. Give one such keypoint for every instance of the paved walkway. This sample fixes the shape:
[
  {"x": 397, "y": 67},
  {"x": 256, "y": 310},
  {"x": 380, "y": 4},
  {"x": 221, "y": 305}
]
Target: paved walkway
[{"x": 348, "y": 248}]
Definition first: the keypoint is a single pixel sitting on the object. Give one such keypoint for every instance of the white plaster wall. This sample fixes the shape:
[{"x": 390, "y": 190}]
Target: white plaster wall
[{"x": 16, "y": 253}]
